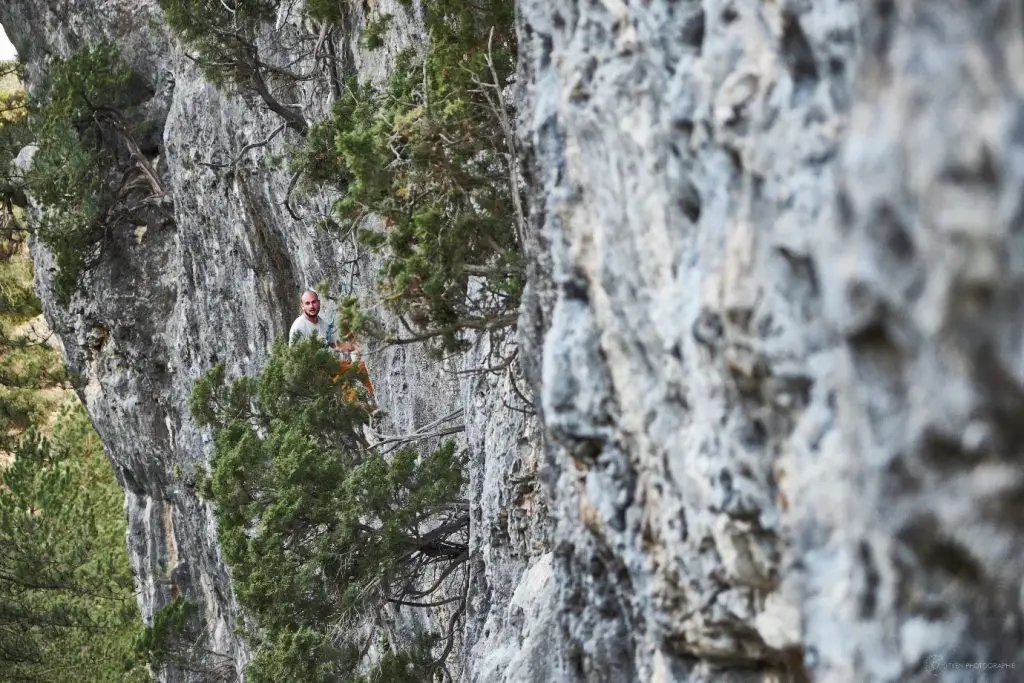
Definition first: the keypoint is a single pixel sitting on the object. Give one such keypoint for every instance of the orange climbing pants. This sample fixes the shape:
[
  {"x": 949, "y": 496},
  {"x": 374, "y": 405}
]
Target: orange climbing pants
[{"x": 348, "y": 391}]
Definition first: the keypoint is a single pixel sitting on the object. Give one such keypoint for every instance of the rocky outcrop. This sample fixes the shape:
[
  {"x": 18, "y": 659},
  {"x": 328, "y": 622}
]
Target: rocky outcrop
[
  {"x": 771, "y": 337},
  {"x": 780, "y": 373},
  {"x": 685, "y": 160}
]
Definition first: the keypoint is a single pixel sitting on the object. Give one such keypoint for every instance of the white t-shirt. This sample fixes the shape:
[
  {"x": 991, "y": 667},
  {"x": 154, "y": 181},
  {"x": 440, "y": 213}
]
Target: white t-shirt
[{"x": 303, "y": 327}]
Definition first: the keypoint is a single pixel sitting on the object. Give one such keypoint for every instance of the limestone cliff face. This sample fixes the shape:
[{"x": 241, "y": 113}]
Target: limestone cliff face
[
  {"x": 772, "y": 330},
  {"x": 780, "y": 334}
]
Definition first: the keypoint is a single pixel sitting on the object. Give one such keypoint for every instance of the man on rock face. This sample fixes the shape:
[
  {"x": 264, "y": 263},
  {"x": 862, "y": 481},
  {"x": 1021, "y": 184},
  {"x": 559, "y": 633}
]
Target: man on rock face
[{"x": 310, "y": 322}]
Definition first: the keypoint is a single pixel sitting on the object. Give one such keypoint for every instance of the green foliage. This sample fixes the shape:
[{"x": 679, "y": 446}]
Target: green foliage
[
  {"x": 409, "y": 665},
  {"x": 373, "y": 36},
  {"x": 318, "y": 527},
  {"x": 429, "y": 156},
  {"x": 353, "y": 318},
  {"x": 176, "y": 638},
  {"x": 67, "y": 609},
  {"x": 72, "y": 124},
  {"x": 172, "y": 633},
  {"x": 222, "y": 34},
  {"x": 12, "y": 95},
  {"x": 10, "y": 77},
  {"x": 330, "y": 11},
  {"x": 67, "y": 175},
  {"x": 224, "y": 38},
  {"x": 14, "y": 135},
  {"x": 300, "y": 655},
  {"x": 26, "y": 366}
]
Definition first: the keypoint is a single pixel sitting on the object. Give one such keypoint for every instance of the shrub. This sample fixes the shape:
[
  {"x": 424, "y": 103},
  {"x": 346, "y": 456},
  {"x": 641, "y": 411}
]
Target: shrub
[
  {"x": 14, "y": 135},
  {"x": 67, "y": 175},
  {"x": 432, "y": 156},
  {"x": 78, "y": 171},
  {"x": 176, "y": 639},
  {"x": 376, "y": 29},
  {"x": 319, "y": 528},
  {"x": 171, "y": 634},
  {"x": 224, "y": 38}
]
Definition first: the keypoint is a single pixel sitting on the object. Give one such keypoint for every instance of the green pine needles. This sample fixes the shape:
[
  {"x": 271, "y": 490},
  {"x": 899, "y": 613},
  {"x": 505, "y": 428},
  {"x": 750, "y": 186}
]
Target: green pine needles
[
  {"x": 67, "y": 602},
  {"x": 223, "y": 37},
  {"x": 64, "y": 175},
  {"x": 319, "y": 528},
  {"x": 431, "y": 155},
  {"x": 222, "y": 34},
  {"x": 75, "y": 176},
  {"x": 171, "y": 634},
  {"x": 174, "y": 640}
]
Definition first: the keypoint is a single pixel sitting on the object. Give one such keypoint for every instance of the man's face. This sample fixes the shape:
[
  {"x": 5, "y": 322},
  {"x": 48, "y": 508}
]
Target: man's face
[{"x": 310, "y": 305}]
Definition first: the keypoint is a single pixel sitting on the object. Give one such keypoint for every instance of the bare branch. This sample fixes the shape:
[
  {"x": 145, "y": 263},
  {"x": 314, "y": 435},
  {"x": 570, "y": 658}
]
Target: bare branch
[
  {"x": 513, "y": 158},
  {"x": 114, "y": 118},
  {"x": 252, "y": 145}
]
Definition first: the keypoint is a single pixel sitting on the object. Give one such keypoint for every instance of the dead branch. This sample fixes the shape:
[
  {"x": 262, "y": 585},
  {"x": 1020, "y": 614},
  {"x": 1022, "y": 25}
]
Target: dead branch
[
  {"x": 114, "y": 119},
  {"x": 506, "y": 129},
  {"x": 252, "y": 145}
]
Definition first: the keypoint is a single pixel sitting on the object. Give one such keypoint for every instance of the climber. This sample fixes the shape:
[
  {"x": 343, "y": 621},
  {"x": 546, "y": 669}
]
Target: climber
[{"x": 311, "y": 323}]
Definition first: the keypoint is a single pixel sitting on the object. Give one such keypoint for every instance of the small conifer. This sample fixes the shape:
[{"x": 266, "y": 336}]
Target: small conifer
[{"x": 319, "y": 528}]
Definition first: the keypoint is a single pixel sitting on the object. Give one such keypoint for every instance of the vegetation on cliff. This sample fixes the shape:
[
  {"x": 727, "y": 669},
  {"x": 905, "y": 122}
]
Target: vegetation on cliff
[
  {"x": 426, "y": 172},
  {"x": 67, "y": 604},
  {"x": 83, "y": 144},
  {"x": 424, "y": 166},
  {"x": 224, "y": 40},
  {"x": 324, "y": 531}
]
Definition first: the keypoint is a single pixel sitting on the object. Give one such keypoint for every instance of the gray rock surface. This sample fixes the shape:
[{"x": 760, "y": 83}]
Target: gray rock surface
[
  {"x": 781, "y": 340},
  {"x": 772, "y": 334}
]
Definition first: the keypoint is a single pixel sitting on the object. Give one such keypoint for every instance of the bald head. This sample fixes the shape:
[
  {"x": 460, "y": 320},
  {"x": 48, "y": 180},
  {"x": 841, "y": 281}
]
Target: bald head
[{"x": 311, "y": 305}]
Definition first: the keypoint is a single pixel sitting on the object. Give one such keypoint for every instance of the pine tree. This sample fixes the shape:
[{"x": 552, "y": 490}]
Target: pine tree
[
  {"x": 81, "y": 172},
  {"x": 319, "y": 528},
  {"x": 26, "y": 364},
  {"x": 432, "y": 155},
  {"x": 67, "y": 605},
  {"x": 224, "y": 39}
]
